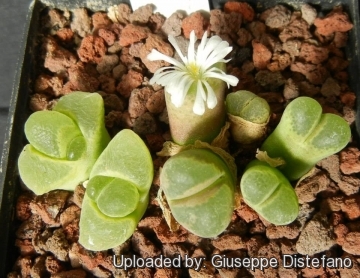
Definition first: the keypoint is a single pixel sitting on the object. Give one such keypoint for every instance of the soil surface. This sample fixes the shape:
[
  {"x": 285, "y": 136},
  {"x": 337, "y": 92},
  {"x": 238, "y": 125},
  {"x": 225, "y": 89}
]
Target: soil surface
[{"x": 279, "y": 54}]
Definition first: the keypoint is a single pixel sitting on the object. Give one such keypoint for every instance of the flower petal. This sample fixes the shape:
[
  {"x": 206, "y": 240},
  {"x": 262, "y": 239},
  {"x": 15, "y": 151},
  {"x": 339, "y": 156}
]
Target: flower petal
[
  {"x": 155, "y": 55},
  {"x": 200, "y": 89},
  {"x": 174, "y": 43},
  {"x": 199, "y": 107},
  {"x": 177, "y": 84},
  {"x": 202, "y": 44},
  {"x": 216, "y": 56},
  {"x": 209, "y": 47},
  {"x": 171, "y": 77},
  {"x": 211, "y": 100},
  {"x": 164, "y": 77},
  {"x": 191, "y": 48},
  {"x": 178, "y": 97},
  {"x": 196, "y": 67},
  {"x": 229, "y": 79}
]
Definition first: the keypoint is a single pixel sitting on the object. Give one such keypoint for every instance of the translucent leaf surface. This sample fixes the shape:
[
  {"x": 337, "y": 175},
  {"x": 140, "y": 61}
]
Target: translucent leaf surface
[
  {"x": 117, "y": 193},
  {"x": 64, "y": 143},
  {"x": 269, "y": 193}
]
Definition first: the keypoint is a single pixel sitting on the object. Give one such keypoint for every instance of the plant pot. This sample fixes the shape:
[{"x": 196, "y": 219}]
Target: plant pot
[{"x": 10, "y": 184}]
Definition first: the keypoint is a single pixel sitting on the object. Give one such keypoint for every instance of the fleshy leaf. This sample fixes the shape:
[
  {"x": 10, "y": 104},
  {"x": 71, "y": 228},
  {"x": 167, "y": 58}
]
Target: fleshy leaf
[
  {"x": 248, "y": 115},
  {"x": 199, "y": 189},
  {"x": 248, "y": 106},
  {"x": 117, "y": 193},
  {"x": 304, "y": 136},
  {"x": 126, "y": 202},
  {"x": 51, "y": 132},
  {"x": 266, "y": 190},
  {"x": 64, "y": 143}
]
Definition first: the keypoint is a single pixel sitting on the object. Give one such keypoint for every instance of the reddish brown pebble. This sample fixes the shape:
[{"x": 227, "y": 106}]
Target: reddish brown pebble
[
  {"x": 92, "y": 49},
  {"x": 58, "y": 59},
  {"x": 297, "y": 29},
  {"x": 53, "y": 265},
  {"x": 137, "y": 101},
  {"x": 261, "y": 55},
  {"x": 155, "y": 142},
  {"x": 133, "y": 33},
  {"x": 352, "y": 243},
  {"x": 348, "y": 98},
  {"x": 81, "y": 79},
  {"x": 100, "y": 20},
  {"x": 69, "y": 215},
  {"x": 107, "y": 63},
  {"x": 58, "y": 245},
  {"x": 155, "y": 42},
  {"x": 277, "y": 16},
  {"x": 142, "y": 14},
  {"x": 129, "y": 82},
  {"x": 246, "y": 213},
  {"x": 23, "y": 210},
  {"x": 351, "y": 207},
  {"x": 350, "y": 161},
  {"x": 244, "y": 37},
  {"x": 336, "y": 21},
  {"x": 49, "y": 206},
  {"x": 51, "y": 85},
  {"x": 308, "y": 188},
  {"x": 108, "y": 36},
  {"x": 78, "y": 273},
  {"x": 242, "y": 8},
  {"x": 65, "y": 34},
  {"x": 165, "y": 235},
  {"x": 313, "y": 272},
  {"x": 107, "y": 84},
  {"x": 313, "y": 54},
  {"x": 88, "y": 259},
  {"x": 316, "y": 74},
  {"x": 229, "y": 242},
  {"x": 156, "y": 102},
  {"x": 341, "y": 231},
  {"x": 25, "y": 246},
  {"x": 290, "y": 231},
  {"x": 194, "y": 22},
  {"x": 144, "y": 246}
]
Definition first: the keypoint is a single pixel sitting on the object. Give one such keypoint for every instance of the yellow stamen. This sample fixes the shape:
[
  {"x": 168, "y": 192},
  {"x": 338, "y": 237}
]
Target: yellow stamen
[{"x": 194, "y": 70}]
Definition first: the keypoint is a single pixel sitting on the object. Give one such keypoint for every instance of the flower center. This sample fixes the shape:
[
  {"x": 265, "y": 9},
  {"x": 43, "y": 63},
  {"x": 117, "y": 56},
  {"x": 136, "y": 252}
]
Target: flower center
[{"x": 194, "y": 71}]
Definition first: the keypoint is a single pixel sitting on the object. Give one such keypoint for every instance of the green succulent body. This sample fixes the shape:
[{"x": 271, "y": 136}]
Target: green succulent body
[
  {"x": 304, "y": 136},
  {"x": 248, "y": 106},
  {"x": 117, "y": 193},
  {"x": 266, "y": 190},
  {"x": 63, "y": 143},
  {"x": 248, "y": 115},
  {"x": 199, "y": 189}
]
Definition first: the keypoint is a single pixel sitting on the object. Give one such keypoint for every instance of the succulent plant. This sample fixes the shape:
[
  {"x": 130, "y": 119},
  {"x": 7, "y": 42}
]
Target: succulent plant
[
  {"x": 63, "y": 143},
  {"x": 304, "y": 136},
  {"x": 266, "y": 190},
  {"x": 248, "y": 115},
  {"x": 117, "y": 193},
  {"x": 199, "y": 189},
  {"x": 195, "y": 88}
]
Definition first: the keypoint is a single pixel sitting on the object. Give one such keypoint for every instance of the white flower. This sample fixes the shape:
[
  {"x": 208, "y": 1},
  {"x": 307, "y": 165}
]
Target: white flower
[{"x": 195, "y": 70}]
